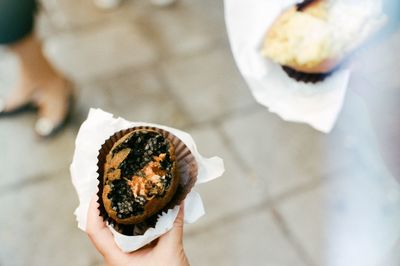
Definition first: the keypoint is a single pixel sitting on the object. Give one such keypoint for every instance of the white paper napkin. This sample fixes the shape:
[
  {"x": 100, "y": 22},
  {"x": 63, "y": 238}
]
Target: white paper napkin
[
  {"x": 315, "y": 104},
  {"x": 98, "y": 127}
]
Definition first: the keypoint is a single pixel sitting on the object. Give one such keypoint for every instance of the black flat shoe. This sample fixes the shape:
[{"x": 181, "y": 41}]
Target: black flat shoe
[
  {"x": 27, "y": 107},
  {"x": 45, "y": 128}
]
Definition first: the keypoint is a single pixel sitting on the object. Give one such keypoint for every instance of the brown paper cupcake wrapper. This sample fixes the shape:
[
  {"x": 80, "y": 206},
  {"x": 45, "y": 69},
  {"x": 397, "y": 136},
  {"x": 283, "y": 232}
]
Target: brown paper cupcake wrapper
[
  {"x": 304, "y": 4},
  {"x": 187, "y": 168},
  {"x": 306, "y": 77}
]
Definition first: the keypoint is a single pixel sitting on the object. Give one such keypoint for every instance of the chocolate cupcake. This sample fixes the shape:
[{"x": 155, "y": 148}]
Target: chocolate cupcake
[
  {"x": 143, "y": 171},
  {"x": 140, "y": 176}
]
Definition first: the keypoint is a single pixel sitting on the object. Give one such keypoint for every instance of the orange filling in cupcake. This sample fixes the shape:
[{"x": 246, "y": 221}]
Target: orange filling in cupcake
[{"x": 147, "y": 182}]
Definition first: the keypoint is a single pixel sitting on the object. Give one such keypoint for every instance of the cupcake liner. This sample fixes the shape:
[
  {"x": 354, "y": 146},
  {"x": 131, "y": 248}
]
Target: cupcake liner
[
  {"x": 187, "y": 170},
  {"x": 304, "y": 4},
  {"x": 306, "y": 77}
]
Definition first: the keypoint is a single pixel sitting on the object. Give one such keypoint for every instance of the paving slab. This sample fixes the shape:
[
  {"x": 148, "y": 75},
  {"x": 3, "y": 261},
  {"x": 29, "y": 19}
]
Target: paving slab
[
  {"x": 74, "y": 14},
  {"x": 187, "y": 27},
  {"x": 25, "y": 157},
  {"x": 249, "y": 240},
  {"x": 352, "y": 219},
  {"x": 230, "y": 194},
  {"x": 281, "y": 155},
  {"x": 142, "y": 96},
  {"x": 208, "y": 85},
  {"x": 39, "y": 227},
  {"x": 76, "y": 54}
]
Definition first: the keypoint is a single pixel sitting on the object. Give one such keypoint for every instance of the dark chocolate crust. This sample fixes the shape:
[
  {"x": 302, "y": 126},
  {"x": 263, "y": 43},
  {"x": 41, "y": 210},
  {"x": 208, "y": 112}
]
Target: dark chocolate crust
[
  {"x": 140, "y": 176},
  {"x": 306, "y": 77}
]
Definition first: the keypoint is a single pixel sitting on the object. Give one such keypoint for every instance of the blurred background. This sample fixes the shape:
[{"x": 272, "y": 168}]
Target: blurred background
[{"x": 290, "y": 196}]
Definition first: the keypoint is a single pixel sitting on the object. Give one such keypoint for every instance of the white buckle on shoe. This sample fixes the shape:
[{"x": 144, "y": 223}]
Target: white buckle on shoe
[{"x": 44, "y": 126}]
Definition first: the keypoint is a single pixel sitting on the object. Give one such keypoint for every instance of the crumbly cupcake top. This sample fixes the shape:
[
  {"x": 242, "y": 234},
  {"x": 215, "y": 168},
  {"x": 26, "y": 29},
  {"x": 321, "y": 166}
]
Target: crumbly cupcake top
[
  {"x": 300, "y": 36},
  {"x": 138, "y": 169}
]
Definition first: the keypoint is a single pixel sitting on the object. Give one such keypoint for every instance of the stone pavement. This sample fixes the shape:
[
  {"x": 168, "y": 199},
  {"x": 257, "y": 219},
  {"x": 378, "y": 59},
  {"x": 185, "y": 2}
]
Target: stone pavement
[{"x": 290, "y": 196}]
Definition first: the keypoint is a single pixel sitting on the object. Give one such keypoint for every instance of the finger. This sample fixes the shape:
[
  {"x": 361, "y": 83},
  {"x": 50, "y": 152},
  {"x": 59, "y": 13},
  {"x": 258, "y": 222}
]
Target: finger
[
  {"x": 153, "y": 243},
  {"x": 99, "y": 233},
  {"x": 143, "y": 250},
  {"x": 178, "y": 224},
  {"x": 174, "y": 236}
]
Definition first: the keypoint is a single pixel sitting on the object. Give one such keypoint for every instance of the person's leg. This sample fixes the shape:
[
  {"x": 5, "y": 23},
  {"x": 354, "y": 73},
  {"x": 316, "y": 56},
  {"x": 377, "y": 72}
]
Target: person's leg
[
  {"x": 38, "y": 82},
  {"x": 41, "y": 84}
]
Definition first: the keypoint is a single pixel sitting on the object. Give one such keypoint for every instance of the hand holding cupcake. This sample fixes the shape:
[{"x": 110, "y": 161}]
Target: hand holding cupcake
[
  {"x": 167, "y": 250},
  {"x": 140, "y": 174}
]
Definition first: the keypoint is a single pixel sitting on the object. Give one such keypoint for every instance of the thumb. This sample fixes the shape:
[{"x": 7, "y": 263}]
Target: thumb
[
  {"x": 177, "y": 228},
  {"x": 174, "y": 236}
]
